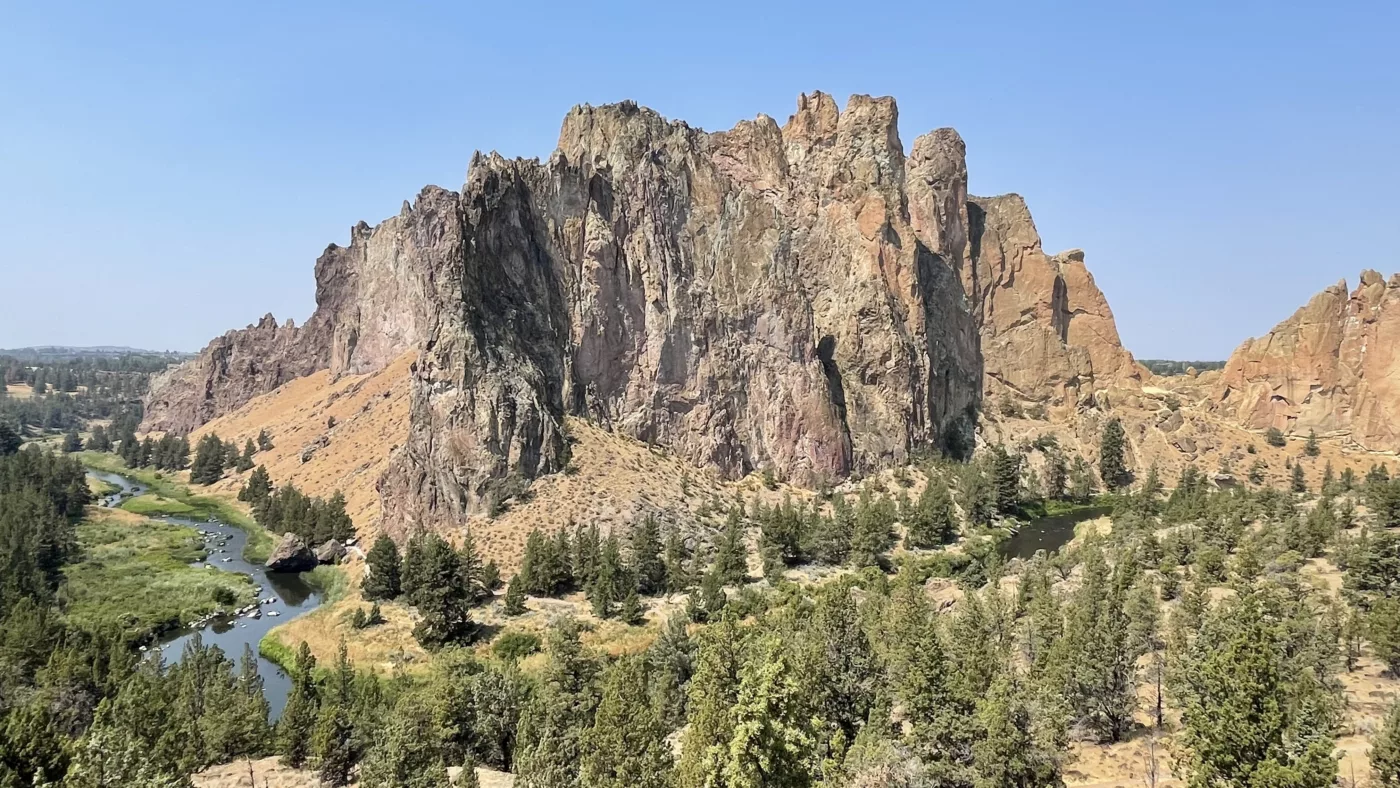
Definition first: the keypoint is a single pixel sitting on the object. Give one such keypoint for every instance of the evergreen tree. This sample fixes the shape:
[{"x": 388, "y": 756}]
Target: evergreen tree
[
  {"x": 208, "y": 465},
  {"x": 245, "y": 461},
  {"x": 435, "y": 582},
  {"x": 678, "y": 577},
  {"x": 258, "y": 487},
  {"x": 1112, "y": 469},
  {"x": 1383, "y": 623},
  {"x": 10, "y": 439},
  {"x": 298, "y": 721},
  {"x": 932, "y": 522},
  {"x": 406, "y": 753},
  {"x": 647, "y": 567},
  {"x": 385, "y": 566},
  {"x": 1274, "y": 437},
  {"x": 1311, "y": 448},
  {"x": 264, "y": 441},
  {"x": 1298, "y": 484},
  {"x": 714, "y": 692},
  {"x": 555, "y": 723},
  {"x": 1248, "y": 717},
  {"x": 1385, "y": 750},
  {"x": 731, "y": 556},
  {"x": 1009, "y": 754},
  {"x": 1056, "y": 476},
  {"x": 626, "y": 745},
  {"x": 1006, "y": 480},
  {"x": 334, "y": 739},
  {"x": 515, "y": 597}
]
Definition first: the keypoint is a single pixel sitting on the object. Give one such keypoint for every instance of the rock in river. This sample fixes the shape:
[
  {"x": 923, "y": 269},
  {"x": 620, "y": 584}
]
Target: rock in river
[{"x": 291, "y": 555}]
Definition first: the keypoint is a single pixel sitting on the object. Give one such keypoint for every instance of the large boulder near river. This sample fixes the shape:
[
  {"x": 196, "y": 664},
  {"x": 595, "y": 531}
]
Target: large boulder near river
[{"x": 292, "y": 555}]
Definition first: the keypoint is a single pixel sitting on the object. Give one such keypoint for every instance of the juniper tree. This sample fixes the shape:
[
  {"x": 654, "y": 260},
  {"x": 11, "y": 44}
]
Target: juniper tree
[
  {"x": 1112, "y": 469},
  {"x": 626, "y": 745},
  {"x": 1385, "y": 750},
  {"x": 385, "y": 566},
  {"x": 298, "y": 721}
]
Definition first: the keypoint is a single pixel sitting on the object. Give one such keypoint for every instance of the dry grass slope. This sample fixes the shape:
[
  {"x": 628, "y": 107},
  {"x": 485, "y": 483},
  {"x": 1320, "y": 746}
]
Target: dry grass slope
[{"x": 370, "y": 414}]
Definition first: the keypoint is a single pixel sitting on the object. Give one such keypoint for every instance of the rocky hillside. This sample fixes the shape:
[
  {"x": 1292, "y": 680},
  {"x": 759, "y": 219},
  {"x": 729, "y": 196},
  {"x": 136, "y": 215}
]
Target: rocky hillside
[
  {"x": 802, "y": 298},
  {"x": 1333, "y": 367}
]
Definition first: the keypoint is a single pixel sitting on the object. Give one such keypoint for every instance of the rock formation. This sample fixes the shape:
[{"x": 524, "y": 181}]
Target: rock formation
[
  {"x": 803, "y": 297},
  {"x": 1047, "y": 333},
  {"x": 291, "y": 555},
  {"x": 1333, "y": 367},
  {"x": 751, "y": 298},
  {"x": 231, "y": 370}
]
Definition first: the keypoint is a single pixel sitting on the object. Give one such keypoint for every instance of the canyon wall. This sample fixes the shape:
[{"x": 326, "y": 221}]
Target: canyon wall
[
  {"x": 804, "y": 298},
  {"x": 1333, "y": 367}
]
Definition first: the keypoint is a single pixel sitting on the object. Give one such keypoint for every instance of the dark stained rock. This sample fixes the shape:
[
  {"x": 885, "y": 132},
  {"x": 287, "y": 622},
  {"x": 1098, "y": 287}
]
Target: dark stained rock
[
  {"x": 332, "y": 552},
  {"x": 291, "y": 555}
]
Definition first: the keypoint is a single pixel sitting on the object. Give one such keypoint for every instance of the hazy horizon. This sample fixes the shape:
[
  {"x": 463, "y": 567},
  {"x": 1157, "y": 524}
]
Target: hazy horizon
[{"x": 1218, "y": 166}]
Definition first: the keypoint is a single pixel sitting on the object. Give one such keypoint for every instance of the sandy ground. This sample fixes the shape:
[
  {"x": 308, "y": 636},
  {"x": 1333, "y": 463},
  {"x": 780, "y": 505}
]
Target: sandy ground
[{"x": 269, "y": 773}]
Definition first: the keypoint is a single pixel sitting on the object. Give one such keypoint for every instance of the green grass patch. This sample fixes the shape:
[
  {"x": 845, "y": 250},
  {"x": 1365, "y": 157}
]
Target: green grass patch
[
  {"x": 136, "y": 575},
  {"x": 151, "y": 505},
  {"x": 277, "y": 652},
  {"x": 102, "y": 489},
  {"x": 201, "y": 507},
  {"x": 329, "y": 580}
]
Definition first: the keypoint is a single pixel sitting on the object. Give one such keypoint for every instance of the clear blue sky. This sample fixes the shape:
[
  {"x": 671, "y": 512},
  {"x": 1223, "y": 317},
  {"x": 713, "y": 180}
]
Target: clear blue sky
[{"x": 169, "y": 171}]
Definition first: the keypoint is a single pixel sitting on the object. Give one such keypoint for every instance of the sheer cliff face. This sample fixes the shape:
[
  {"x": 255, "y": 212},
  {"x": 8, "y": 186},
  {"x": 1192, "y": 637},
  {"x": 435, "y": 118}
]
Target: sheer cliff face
[
  {"x": 372, "y": 305},
  {"x": 1333, "y": 367},
  {"x": 751, "y": 298},
  {"x": 1047, "y": 333},
  {"x": 231, "y": 370},
  {"x": 803, "y": 297}
]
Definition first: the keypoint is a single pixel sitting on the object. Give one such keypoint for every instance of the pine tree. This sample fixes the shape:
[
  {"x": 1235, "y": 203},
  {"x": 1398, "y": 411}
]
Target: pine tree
[
  {"x": 10, "y": 439},
  {"x": 554, "y": 724},
  {"x": 1009, "y": 754},
  {"x": 298, "y": 721},
  {"x": 334, "y": 738},
  {"x": 382, "y": 581},
  {"x": 731, "y": 556},
  {"x": 626, "y": 745},
  {"x": 714, "y": 692},
  {"x": 406, "y": 753},
  {"x": 1112, "y": 469},
  {"x": 264, "y": 441},
  {"x": 1248, "y": 716},
  {"x": 932, "y": 521},
  {"x": 630, "y": 611},
  {"x": 1298, "y": 484},
  {"x": 208, "y": 465},
  {"x": 678, "y": 577},
  {"x": 258, "y": 487},
  {"x": 1311, "y": 448},
  {"x": 245, "y": 461},
  {"x": 72, "y": 442},
  {"x": 647, "y": 565},
  {"x": 515, "y": 597},
  {"x": 1006, "y": 480},
  {"x": 1056, "y": 475},
  {"x": 1385, "y": 750}
]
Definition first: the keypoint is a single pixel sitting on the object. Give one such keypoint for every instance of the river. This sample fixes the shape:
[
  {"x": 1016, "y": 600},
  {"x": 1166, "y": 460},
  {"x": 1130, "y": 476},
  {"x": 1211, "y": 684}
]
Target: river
[
  {"x": 1047, "y": 533},
  {"x": 284, "y": 596}
]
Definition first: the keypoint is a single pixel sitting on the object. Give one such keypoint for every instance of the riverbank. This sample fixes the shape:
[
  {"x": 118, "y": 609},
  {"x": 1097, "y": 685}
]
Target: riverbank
[
  {"x": 136, "y": 573},
  {"x": 168, "y": 495}
]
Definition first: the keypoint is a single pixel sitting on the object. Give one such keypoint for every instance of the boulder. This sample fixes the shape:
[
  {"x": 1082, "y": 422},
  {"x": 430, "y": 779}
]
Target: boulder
[
  {"x": 332, "y": 552},
  {"x": 291, "y": 555}
]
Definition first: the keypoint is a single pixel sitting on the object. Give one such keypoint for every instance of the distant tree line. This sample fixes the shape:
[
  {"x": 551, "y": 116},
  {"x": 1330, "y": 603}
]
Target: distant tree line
[{"x": 1159, "y": 366}]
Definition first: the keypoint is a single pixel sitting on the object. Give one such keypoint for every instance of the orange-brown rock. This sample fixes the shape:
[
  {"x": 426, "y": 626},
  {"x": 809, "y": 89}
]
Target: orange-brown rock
[
  {"x": 1333, "y": 367},
  {"x": 1047, "y": 333}
]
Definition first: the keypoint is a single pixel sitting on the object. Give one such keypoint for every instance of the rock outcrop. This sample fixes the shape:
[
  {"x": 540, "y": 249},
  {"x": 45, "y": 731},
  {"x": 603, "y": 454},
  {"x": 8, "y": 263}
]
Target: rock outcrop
[
  {"x": 804, "y": 298},
  {"x": 330, "y": 552},
  {"x": 1047, "y": 333},
  {"x": 1333, "y": 367},
  {"x": 292, "y": 555},
  {"x": 372, "y": 305},
  {"x": 231, "y": 370},
  {"x": 751, "y": 298}
]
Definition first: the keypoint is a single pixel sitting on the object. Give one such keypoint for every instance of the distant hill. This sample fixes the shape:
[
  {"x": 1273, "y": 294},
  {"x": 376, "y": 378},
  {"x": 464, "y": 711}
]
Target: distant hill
[
  {"x": 65, "y": 352},
  {"x": 1161, "y": 366}
]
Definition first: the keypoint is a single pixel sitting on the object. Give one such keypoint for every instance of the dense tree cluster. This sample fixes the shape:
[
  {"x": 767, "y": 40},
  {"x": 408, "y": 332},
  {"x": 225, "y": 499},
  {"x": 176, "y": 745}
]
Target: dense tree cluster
[{"x": 286, "y": 509}]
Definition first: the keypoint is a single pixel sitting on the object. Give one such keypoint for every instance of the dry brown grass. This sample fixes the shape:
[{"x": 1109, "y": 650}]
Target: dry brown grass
[
  {"x": 371, "y": 420},
  {"x": 269, "y": 773},
  {"x": 380, "y": 648},
  {"x": 19, "y": 390}
]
